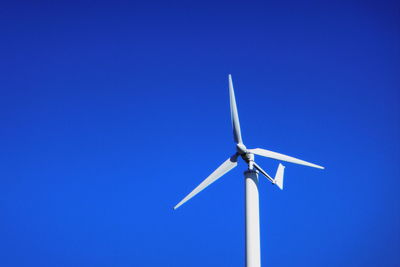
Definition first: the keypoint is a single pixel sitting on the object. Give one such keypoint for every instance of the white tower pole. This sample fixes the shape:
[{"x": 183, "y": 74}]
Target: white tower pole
[{"x": 253, "y": 258}]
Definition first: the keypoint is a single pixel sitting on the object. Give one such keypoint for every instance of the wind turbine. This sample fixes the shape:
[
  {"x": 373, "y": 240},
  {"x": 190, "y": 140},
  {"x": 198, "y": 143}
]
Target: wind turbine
[{"x": 253, "y": 258}]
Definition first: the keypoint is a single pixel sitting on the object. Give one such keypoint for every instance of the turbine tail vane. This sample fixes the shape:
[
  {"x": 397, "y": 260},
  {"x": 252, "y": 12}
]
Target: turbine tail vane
[
  {"x": 278, "y": 180},
  {"x": 279, "y": 176}
]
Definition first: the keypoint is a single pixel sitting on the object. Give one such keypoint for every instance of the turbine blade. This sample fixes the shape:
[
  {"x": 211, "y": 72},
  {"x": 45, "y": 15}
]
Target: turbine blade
[
  {"x": 237, "y": 136},
  {"x": 225, "y": 167},
  {"x": 263, "y": 172},
  {"x": 278, "y": 156}
]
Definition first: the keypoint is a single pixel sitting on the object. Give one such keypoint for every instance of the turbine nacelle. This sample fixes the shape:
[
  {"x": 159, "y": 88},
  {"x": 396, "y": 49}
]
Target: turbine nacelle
[{"x": 247, "y": 157}]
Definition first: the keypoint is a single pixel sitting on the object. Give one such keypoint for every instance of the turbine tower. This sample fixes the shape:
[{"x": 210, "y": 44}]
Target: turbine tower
[{"x": 253, "y": 258}]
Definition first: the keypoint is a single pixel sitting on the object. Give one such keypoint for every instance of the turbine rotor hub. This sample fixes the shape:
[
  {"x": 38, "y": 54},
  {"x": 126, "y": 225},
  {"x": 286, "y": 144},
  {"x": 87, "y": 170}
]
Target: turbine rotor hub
[{"x": 241, "y": 148}]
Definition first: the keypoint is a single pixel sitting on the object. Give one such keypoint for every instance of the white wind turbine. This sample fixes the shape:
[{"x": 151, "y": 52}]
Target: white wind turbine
[{"x": 253, "y": 258}]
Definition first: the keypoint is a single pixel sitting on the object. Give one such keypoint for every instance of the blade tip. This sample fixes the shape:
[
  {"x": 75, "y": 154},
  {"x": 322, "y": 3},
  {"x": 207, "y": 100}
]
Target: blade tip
[
  {"x": 316, "y": 166},
  {"x": 179, "y": 204}
]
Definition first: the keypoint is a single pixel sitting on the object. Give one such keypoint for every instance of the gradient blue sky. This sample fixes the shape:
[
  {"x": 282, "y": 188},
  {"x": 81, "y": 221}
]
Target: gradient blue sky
[{"x": 111, "y": 112}]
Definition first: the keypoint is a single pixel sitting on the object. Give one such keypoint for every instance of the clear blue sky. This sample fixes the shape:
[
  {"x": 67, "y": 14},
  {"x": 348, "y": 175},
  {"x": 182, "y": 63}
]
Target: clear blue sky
[{"x": 111, "y": 112}]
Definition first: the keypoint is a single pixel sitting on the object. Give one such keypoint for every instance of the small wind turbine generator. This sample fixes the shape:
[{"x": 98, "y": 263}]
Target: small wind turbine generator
[{"x": 253, "y": 258}]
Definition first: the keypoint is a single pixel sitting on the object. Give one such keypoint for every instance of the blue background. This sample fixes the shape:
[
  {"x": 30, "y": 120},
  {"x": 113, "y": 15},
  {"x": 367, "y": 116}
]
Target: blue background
[{"x": 111, "y": 112}]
